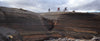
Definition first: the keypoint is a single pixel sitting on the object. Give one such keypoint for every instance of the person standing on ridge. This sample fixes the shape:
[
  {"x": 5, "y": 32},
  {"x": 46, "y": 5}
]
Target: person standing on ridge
[
  {"x": 58, "y": 9},
  {"x": 49, "y": 10},
  {"x": 65, "y": 9}
]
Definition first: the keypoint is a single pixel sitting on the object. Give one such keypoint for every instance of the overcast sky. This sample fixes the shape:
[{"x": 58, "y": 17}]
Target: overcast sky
[{"x": 43, "y": 5}]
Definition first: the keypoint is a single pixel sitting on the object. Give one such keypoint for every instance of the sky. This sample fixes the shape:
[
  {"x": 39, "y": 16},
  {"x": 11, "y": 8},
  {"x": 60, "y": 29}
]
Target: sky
[{"x": 43, "y": 5}]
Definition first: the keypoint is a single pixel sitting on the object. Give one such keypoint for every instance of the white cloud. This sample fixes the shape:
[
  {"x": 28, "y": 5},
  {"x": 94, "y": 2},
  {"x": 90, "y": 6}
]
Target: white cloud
[
  {"x": 86, "y": 10},
  {"x": 31, "y": 5},
  {"x": 76, "y": 3}
]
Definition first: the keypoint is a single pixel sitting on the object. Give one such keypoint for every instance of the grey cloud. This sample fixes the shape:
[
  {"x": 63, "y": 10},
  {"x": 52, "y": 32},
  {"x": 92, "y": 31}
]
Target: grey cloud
[
  {"x": 91, "y": 6},
  {"x": 53, "y": 4},
  {"x": 4, "y": 4},
  {"x": 43, "y": 5},
  {"x": 27, "y": 2}
]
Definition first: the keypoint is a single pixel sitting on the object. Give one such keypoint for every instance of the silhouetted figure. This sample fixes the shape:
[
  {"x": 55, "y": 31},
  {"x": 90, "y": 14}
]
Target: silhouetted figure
[
  {"x": 58, "y": 9},
  {"x": 49, "y": 10},
  {"x": 65, "y": 9}
]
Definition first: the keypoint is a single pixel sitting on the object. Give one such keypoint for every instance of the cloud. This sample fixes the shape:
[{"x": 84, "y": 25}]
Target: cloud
[
  {"x": 92, "y": 6},
  {"x": 53, "y": 4},
  {"x": 76, "y": 4},
  {"x": 43, "y": 5},
  {"x": 2, "y": 3},
  {"x": 35, "y": 5},
  {"x": 31, "y": 5}
]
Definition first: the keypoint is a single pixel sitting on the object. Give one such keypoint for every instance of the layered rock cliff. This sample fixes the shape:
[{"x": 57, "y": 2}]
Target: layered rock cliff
[
  {"x": 75, "y": 24},
  {"x": 21, "y": 20}
]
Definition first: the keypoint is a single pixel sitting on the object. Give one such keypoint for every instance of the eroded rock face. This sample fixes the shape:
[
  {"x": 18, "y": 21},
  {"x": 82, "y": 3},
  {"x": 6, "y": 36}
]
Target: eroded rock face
[
  {"x": 75, "y": 25},
  {"x": 21, "y": 20},
  {"x": 25, "y": 22},
  {"x": 70, "y": 25}
]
